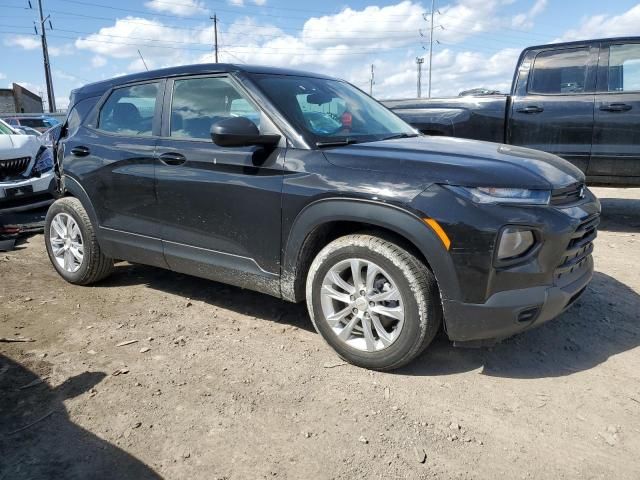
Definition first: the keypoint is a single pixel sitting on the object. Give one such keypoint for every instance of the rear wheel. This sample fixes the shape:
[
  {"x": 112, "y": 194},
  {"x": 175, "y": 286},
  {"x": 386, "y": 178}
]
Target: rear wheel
[
  {"x": 374, "y": 302},
  {"x": 72, "y": 245}
]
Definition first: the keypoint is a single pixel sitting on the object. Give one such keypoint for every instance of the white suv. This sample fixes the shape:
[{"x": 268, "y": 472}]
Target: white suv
[{"x": 27, "y": 178}]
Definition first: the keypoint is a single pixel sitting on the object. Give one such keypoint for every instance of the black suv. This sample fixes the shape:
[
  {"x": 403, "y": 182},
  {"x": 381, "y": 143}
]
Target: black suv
[{"x": 303, "y": 187}]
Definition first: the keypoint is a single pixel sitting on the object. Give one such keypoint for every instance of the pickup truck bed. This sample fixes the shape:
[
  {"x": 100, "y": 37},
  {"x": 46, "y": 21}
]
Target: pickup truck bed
[{"x": 478, "y": 118}]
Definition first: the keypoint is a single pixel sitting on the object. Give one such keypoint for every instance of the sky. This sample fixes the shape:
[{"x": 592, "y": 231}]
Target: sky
[{"x": 477, "y": 42}]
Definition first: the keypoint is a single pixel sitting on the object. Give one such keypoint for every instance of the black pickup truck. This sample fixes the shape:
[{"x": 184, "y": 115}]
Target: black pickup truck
[{"x": 578, "y": 100}]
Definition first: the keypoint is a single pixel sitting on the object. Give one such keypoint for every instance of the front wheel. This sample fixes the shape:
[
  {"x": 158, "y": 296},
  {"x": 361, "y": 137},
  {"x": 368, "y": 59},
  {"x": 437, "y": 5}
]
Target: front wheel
[{"x": 373, "y": 301}]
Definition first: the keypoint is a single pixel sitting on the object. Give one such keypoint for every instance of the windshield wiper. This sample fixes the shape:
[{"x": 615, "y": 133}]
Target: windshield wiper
[
  {"x": 337, "y": 143},
  {"x": 401, "y": 135}
]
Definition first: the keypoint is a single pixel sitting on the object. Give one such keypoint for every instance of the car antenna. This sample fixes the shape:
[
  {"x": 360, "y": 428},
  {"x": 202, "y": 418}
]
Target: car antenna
[{"x": 142, "y": 58}]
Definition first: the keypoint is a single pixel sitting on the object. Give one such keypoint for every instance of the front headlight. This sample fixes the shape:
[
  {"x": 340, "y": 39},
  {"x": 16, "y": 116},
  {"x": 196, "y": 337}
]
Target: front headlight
[
  {"x": 521, "y": 196},
  {"x": 44, "y": 161}
]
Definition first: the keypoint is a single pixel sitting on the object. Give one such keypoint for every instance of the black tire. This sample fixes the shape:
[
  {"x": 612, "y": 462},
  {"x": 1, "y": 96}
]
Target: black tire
[
  {"x": 95, "y": 265},
  {"x": 416, "y": 283}
]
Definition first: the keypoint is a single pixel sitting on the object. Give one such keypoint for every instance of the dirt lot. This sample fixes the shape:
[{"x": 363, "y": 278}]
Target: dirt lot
[{"x": 225, "y": 383}]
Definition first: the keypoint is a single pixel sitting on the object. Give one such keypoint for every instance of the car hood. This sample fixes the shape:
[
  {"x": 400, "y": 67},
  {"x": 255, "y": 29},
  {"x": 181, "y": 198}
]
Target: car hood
[
  {"x": 458, "y": 162},
  {"x": 16, "y": 146}
]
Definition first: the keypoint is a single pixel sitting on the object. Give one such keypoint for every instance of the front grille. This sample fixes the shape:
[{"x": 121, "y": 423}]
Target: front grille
[
  {"x": 13, "y": 166},
  {"x": 567, "y": 195},
  {"x": 580, "y": 247}
]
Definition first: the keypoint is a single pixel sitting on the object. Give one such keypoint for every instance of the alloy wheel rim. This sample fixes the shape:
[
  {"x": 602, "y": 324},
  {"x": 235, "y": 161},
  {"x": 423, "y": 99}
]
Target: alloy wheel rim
[
  {"x": 362, "y": 304},
  {"x": 67, "y": 245}
]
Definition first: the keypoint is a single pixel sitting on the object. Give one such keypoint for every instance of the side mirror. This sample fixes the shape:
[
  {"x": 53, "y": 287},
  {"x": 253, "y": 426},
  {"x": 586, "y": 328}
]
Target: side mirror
[{"x": 240, "y": 132}]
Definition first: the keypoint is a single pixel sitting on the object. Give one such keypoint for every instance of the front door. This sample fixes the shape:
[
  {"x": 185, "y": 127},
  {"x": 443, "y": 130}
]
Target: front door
[
  {"x": 616, "y": 135},
  {"x": 220, "y": 208},
  {"x": 554, "y": 113}
]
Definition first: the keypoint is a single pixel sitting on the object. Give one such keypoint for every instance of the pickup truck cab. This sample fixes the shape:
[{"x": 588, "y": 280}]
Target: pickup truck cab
[
  {"x": 578, "y": 100},
  {"x": 303, "y": 187}
]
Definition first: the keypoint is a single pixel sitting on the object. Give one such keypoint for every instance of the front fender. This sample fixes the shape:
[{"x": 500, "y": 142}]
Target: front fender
[{"x": 390, "y": 217}]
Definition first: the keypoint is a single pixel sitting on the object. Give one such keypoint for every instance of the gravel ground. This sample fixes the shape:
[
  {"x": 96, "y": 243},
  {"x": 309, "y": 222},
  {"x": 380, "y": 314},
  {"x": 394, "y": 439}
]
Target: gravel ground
[{"x": 225, "y": 383}]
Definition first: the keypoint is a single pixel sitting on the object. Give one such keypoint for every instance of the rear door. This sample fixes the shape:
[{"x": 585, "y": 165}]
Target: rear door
[
  {"x": 616, "y": 135},
  {"x": 112, "y": 156},
  {"x": 552, "y": 108},
  {"x": 219, "y": 207}
]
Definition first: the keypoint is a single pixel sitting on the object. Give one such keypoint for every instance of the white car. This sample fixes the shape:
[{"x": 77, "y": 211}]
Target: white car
[{"x": 27, "y": 178}]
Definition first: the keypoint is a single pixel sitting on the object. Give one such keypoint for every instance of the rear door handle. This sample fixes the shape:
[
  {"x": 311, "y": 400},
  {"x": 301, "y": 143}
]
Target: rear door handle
[
  {"x": 80, "y": 151},
  {"x": 173, "y": 158},
  {"x": 616, "y": 107},
  {"x": 531, "y": 109}
]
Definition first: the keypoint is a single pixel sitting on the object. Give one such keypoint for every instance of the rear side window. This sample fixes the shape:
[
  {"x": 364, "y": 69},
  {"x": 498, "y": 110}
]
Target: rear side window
[
  {"x": 197, "y": 103},
  {"x": 130, "y": 110},
  {"x": 560, "y": 72},
  {"x": 624, "y": 68}
]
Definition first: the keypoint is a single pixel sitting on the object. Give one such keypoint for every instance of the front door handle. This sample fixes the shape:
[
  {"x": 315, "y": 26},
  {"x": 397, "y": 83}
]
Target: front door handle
[
  {"x": 531, "y": 109},
  {"x": 616, "y": 107},
  {"x": 80, "y": 151},
  {"x": 173, "y": 158}
]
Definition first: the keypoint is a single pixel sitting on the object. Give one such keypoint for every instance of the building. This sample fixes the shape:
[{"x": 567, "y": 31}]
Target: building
[{"x": 18, "y": 99}]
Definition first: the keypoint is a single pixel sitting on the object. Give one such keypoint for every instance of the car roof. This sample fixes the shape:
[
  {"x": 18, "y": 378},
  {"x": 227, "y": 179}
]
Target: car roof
[
  {"x": 577, "y": 43},
  {"x": 98, "y": 88}
]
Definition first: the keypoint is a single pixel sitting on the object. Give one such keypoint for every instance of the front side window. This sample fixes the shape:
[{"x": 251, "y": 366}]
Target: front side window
[
  {"x": 331, "y": 110},
  {"x": 198, "y": 103},
  {"x": 624, "y": 68},
  {"x": 130, "y": 110},
  {"x": 560, "y": 72}
]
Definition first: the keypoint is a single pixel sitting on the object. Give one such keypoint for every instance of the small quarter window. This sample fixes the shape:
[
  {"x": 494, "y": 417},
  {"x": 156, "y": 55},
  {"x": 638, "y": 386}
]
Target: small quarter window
[
  {"x": 624, "y": 68},
  {"x": 560, "y": 72},
  {"x": 130, "y": 110}
]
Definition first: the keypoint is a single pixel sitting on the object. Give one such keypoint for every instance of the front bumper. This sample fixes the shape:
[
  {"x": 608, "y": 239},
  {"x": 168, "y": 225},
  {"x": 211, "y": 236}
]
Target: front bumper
[
  {"x": 42, "y": 193},
  {"x": 509, "y": 312}
]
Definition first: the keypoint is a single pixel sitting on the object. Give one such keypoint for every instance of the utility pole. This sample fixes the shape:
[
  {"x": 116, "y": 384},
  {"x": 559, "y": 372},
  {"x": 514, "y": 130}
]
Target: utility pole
[
  {"x": 371, "y": 82},
  {"x": 47, "y": 66},
  {"x": 433, "y": 8},
  {"x": 419, "y": 62},
  {"x": 215, "y": 33}
]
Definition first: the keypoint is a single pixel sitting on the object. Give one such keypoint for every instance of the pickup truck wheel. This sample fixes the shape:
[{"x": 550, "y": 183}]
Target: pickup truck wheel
[
  {"x": 374, "y": 302},
  {"x": 72, "y": 245}
]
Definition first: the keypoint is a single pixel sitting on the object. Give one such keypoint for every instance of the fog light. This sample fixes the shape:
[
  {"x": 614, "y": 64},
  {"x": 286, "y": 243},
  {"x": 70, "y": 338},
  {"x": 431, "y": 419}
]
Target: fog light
[{"x": 514, "y": 242}]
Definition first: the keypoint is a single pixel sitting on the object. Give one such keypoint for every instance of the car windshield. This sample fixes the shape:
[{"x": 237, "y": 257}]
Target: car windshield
[
  {"x": 331, "y": 112},
  {"x": 5, "y": 129}
]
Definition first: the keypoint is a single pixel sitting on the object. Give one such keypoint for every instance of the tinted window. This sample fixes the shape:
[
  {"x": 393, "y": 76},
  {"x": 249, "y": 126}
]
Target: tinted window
[
  {"x": 130, "y": 110},
  {"x": 33, "y": 123},
  {"x": 199, "y": 102},
  {"x": 560, "y": 72},
  {"x": 624, "y": 68}
]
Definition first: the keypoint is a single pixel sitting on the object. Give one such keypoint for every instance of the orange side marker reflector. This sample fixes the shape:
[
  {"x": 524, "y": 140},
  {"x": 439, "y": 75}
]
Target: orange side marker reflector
[{"x": 435, "y": 226}]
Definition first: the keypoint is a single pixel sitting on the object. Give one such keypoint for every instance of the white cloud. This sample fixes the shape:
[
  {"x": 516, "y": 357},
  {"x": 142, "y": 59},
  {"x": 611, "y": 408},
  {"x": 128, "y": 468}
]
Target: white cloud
[
  {"x": 525, "y": 20},
  {"x": 98, "y": 61},
  {"x": 236, "y": 3},
  {"x": 58, "y": 51},
  {"x": 28, "y": 42},
  {"x": 606, "y": 26},
  {"x": 184, "y": 8},
  {"x": 62, "y": 103},
  {"x": 260, "y": 2},
  {"x": 2, "y": 76},
  {"x": 344, "y": 45}
]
